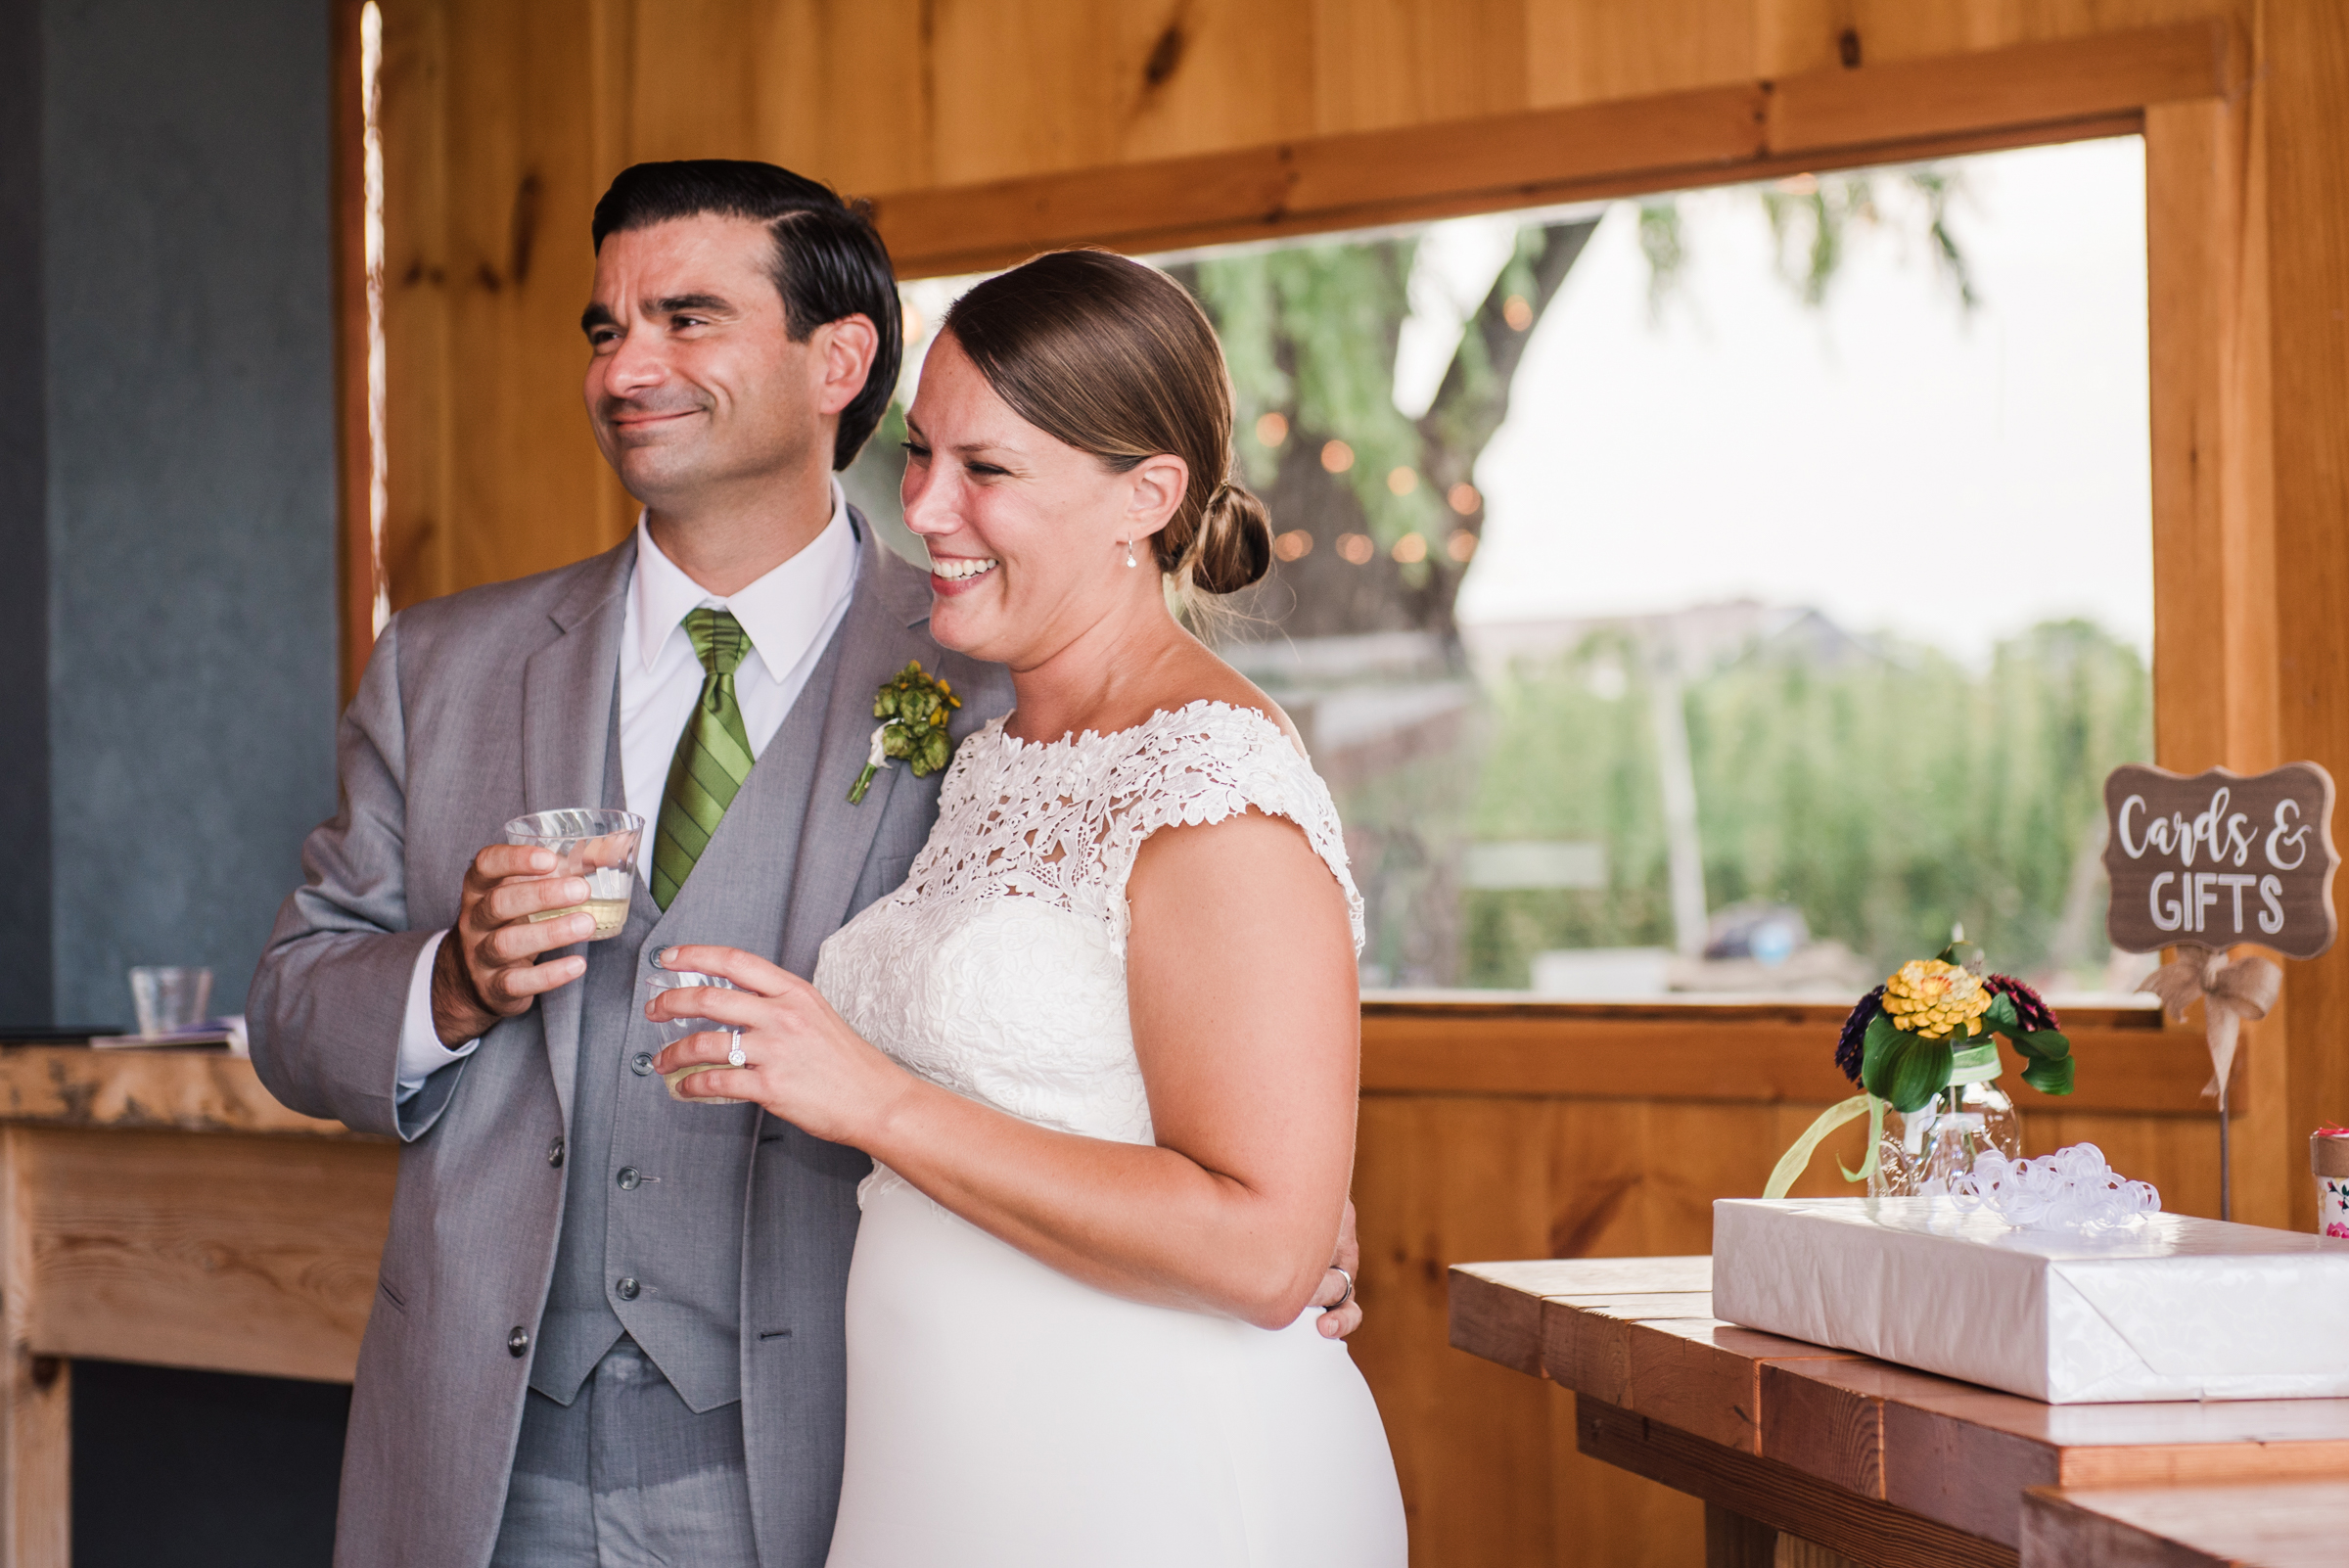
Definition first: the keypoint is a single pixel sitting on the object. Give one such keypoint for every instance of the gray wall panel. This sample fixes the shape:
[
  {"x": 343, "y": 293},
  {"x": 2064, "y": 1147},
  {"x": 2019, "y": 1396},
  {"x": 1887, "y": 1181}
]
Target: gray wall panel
[
  {"x": 25, "y": 890},
  {"x": 191, "y": 494}
]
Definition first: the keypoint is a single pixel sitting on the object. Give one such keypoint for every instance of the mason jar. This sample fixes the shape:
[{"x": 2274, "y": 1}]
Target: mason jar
[{"x": 1925, "y": 1147}]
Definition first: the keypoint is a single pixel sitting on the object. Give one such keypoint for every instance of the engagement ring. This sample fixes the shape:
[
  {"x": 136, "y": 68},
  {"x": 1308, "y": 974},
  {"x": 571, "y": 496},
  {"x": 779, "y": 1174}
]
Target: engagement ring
[{"x": 734, "y": 1056}]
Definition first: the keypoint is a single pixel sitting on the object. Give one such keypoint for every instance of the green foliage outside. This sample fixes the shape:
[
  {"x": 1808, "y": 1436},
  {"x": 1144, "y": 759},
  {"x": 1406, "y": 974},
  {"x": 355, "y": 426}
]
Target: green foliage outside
[{"x": 1885, "y": 800}]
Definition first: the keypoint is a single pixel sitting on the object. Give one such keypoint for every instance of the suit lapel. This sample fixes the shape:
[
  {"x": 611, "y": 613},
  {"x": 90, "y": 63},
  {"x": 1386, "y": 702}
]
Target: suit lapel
[
  {"x": 567, "y": 711},
  {"x": 881, "y": 632}
]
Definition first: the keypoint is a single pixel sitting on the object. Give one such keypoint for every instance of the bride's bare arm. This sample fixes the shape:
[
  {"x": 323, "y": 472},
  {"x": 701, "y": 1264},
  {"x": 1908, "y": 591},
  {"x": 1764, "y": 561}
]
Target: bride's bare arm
[{"x": 1242, "y": 989}]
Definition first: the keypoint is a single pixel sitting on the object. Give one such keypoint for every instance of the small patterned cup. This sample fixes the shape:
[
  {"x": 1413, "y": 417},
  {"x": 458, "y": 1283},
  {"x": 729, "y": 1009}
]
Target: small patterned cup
[{"x": 2328, "y": 1159}]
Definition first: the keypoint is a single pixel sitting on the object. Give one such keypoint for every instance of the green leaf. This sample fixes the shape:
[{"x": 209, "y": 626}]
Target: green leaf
[
  {"x": 1882, "y": 1034},
  {"x": 2050, "y": 1077},
  {"x": 2001, "y": 1016},
  {"x": 2046, "y": 1044},
  {"x": 1908, "y": 1071}
]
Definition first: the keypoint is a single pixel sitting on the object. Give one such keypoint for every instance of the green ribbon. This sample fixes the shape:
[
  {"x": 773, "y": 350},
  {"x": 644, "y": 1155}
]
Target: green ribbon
[{"x": 1974, "y": 1064}]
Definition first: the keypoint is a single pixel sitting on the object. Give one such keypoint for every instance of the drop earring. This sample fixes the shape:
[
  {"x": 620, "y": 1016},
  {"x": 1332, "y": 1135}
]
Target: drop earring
[{"x": 1130, "y": 560}]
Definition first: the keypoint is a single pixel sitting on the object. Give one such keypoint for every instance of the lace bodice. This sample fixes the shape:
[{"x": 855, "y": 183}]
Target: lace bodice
[{"x": 998, "y": 969}]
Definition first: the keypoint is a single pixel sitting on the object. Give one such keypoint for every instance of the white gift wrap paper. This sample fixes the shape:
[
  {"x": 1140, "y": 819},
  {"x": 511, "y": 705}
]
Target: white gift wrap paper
[{"x": 2168, "y": 1308}]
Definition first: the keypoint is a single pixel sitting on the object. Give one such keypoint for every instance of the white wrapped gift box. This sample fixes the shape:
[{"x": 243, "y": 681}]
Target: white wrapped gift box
[{"x": 2167, "y": 1308}]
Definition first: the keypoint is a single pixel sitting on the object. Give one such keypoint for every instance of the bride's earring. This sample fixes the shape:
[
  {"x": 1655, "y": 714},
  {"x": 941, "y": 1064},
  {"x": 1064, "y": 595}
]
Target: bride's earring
[{"x": 1130, "y": 560}]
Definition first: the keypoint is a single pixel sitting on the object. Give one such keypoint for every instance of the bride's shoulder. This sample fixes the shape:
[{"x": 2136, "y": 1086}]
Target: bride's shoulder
[{"x": 1210, "y": 730}]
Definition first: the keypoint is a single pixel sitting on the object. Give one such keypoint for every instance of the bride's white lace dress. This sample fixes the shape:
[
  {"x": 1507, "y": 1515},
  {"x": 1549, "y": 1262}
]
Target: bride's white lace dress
[{"x": 1000, "y": 1413}]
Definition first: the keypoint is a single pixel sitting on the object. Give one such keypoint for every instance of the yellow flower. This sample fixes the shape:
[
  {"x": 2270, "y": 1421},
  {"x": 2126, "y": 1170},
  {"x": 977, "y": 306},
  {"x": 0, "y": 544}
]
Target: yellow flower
[{"x": 1935, "y": 1000}]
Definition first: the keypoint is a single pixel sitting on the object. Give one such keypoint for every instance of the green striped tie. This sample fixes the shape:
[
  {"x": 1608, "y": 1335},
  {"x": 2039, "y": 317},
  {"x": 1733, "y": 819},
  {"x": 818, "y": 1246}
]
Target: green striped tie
[{"x": 713, "y": 755}]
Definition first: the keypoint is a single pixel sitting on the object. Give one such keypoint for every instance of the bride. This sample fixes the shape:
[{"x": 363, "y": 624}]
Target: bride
[{"x": 1102, "y": 1044}]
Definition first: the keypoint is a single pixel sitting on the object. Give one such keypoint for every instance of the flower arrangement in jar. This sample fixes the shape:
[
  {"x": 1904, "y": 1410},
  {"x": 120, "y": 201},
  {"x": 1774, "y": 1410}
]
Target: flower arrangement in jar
[{"x": 1922, "y": 1048}]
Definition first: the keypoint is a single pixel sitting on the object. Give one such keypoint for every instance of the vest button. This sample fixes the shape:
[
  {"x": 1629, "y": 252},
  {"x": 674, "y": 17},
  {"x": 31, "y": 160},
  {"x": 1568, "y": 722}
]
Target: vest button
[
  {"x": 554, "y": 1154},
  {"x": 629, "y": 1179},
  {"x": 641, "y": 1064},
  {"x": 625, "y": 1290},
  {"x": 518, "y": 1343}
]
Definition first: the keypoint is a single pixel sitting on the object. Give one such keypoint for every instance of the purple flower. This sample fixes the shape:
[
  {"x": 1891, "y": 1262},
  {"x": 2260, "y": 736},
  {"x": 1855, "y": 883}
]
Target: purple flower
[
  {"x": 2030, "y": 1009},
  {"x": 1854, "y": 1034}
]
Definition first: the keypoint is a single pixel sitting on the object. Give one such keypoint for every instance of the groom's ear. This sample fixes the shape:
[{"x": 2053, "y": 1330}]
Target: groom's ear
[{"x": 844, "y": 352}]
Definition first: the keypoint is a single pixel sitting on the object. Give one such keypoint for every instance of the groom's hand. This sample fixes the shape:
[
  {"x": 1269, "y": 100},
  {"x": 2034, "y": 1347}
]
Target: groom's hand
[
  {"x": 487, "y": 967},
  {"x": 1341, "y": 1308}
]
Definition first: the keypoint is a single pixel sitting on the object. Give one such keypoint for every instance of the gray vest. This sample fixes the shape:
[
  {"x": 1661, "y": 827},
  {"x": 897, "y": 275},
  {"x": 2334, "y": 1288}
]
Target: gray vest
[{"x": 654, "y": 1189}]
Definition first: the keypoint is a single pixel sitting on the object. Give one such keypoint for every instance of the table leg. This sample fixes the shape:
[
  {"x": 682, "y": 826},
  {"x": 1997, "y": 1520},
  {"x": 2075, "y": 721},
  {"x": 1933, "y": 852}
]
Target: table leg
[
  {"x": 1732, "y": 1540},
  {"x": 36, "y": 1425}
]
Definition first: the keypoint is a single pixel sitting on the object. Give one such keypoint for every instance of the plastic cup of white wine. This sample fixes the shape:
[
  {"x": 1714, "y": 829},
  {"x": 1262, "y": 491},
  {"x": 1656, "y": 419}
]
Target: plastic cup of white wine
[
  {"x": 673, "y": 1030},
  {"x": 596, "y": 846}
]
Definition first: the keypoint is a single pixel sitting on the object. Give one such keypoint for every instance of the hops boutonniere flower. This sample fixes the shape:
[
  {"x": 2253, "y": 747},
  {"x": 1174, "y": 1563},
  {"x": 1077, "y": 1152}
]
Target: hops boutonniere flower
[{"x": 914, "y": 707}]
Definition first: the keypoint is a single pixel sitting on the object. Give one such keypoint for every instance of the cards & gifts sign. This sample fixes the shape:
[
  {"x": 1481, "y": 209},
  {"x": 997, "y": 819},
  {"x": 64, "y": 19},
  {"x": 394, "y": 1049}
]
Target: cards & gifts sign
[
  {"x": 2200, "y": 864},
  {"x": 2218, "y": 858}
]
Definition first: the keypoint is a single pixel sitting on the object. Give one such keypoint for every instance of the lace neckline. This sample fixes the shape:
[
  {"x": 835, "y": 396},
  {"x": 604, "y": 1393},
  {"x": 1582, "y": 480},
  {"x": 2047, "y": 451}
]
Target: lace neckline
[{"x": 1085, "y": 740}]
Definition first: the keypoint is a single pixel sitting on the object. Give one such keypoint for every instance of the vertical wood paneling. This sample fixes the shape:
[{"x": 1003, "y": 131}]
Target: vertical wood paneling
[
  {"x": 2305, "y": 85},
  {"x": 1630, "y": 48},
  {"x": 526, "y": 476},
  {"x": 1382, "y": 63},
  {"x": 847, "y": 90}
]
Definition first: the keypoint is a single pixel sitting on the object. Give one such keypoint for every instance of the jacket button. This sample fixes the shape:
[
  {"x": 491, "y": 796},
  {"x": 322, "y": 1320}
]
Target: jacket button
[
  {"x": 625, "y": 1290},
  {"x": 629, "y": 1179},
  {"x": 641, "y": 1064},
  {"x": 517, "y": 1342},
  {"x": 554, "y": 1154}
]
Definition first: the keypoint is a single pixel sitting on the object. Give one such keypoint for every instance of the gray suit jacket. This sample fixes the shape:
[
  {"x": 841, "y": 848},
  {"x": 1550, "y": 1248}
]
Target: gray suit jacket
[{"x": 474, "y": 709}]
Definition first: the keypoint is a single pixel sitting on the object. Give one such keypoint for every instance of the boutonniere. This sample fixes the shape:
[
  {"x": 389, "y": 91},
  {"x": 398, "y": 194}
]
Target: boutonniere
[{"x": 914, "y": 707}]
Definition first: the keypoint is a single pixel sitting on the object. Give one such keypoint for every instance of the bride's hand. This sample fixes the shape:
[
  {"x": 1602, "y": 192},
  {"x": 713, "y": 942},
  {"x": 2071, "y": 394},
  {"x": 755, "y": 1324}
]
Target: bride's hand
[{"x": 804, "y": 1062}]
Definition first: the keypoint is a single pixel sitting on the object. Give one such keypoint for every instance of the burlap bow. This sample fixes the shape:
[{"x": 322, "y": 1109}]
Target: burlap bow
[{"x": 2232, "y": 991}]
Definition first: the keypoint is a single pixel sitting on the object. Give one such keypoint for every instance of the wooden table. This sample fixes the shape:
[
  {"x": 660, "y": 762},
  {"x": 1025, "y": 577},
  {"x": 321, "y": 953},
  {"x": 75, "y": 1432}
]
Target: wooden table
[
  {"x": 160, "y": 1207},
  {"x": 1853, "y": 1459}
]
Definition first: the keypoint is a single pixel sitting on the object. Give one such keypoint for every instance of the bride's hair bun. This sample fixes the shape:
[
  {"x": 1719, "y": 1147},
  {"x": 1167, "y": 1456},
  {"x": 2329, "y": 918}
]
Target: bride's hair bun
[
  {"x": 1115, "y": 358},
  {"x": 1234, "y": 547}
]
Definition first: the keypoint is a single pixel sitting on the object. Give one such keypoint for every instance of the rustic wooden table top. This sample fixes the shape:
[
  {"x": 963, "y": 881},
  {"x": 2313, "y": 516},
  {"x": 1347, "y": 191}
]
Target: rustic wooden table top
[
  {"x": 186, "y": 1090},
  {"x": 1878, "y": 1462}
]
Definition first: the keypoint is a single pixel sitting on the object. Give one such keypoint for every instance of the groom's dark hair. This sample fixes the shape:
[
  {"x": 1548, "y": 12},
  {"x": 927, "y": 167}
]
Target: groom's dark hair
[{"x": 829, "y": 262}]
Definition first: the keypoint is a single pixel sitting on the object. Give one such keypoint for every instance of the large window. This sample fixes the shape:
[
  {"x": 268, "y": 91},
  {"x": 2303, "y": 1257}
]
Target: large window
[{"x": 1713, "y": 593}]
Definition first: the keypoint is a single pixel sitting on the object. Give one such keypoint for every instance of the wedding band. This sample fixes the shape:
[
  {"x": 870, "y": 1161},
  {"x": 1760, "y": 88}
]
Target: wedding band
[
  {"x": 735, "y": 1058},
  {"x": 1349, "y": 1296}
]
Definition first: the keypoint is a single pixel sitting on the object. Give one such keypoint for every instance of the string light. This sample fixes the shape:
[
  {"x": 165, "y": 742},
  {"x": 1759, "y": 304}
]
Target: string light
[{"x": 1337, "y": 456}]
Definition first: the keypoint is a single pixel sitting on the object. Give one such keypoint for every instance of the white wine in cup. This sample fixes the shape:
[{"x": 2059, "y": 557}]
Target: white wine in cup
[{"x": 599, "y": 846}]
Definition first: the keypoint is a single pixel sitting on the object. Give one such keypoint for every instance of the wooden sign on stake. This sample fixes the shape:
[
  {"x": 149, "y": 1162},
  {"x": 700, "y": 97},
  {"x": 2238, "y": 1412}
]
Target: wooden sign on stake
[
  {"x": 2201, "y": 864},
  {"x": 2221, "y": 859}
]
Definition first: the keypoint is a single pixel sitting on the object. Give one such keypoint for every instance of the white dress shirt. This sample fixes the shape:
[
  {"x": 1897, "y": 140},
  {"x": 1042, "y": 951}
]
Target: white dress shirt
[{"x": 789, "y": 614}]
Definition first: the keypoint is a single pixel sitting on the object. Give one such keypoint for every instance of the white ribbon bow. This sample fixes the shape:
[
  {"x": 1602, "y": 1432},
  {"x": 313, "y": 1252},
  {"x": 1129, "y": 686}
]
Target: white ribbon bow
[{"x": 2231, "y": 989}]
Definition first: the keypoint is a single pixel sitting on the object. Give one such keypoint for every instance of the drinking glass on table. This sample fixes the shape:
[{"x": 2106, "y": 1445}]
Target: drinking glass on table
[
  {"x": 673, "y": 1030},
  {"x": 596, "y": 846},
  {"x": 171, "y": 999}
]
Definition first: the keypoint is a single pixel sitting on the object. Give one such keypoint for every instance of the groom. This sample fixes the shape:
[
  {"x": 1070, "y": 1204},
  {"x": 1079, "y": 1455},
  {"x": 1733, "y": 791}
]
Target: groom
[{"x": 609, "y": 1324}]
